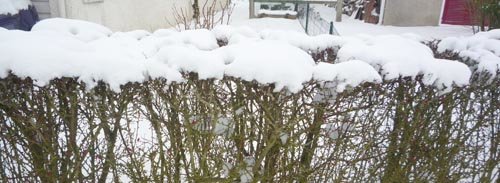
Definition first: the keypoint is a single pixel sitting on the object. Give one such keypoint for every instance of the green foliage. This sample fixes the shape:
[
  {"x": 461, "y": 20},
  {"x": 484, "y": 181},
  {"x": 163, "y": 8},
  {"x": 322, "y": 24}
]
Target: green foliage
[{"x": 492, "y": 11}]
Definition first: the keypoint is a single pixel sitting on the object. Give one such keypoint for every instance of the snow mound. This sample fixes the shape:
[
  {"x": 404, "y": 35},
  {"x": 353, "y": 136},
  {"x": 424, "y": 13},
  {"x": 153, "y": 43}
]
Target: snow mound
[
  {"x": 90, "y": 52},
  {"x": 397, "y": 56},
  {"x": 79, "y": 29},
  {"x": 233, "y": 35},
  {"x": 12, "y": 7},
  {"x": 482, "y": 48},
  {"x": 136, "y": 34},
  {"x": 187, "y": 58},
  {"x": 43, "y": 56},
  {"x": 270, "y": 62},
  {"x": 203, "y": 39},
  {"x": 303, "y": 41},
  {"x": 351, "y": 73}
]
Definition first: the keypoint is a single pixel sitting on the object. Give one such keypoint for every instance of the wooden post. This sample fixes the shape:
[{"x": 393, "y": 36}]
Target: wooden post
[
  {"x": 251, "y": 11},
  {"x": 340, "y": 5},
  {"x": 331, "y": 28}
]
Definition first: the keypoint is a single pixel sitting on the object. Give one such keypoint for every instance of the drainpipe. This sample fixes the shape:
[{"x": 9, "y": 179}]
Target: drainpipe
[{"x": 62, "y": 9}]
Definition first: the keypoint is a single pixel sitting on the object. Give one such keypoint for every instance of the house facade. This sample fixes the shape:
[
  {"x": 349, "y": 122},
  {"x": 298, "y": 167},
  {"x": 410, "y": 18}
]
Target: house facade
[
  {"x": 119, "y": 15},
  {"x": 424, "y": 12}
]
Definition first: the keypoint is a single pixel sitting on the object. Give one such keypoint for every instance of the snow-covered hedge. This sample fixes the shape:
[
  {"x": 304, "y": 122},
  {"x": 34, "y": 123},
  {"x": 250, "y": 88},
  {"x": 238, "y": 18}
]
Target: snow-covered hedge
[
  {"x": 79, "y": 102},
  {"x": 12, "y": 7}
]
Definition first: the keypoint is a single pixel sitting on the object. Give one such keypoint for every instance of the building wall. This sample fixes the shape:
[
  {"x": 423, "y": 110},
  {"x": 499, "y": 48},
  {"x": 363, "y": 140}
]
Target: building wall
[
  {"x": 46, "y": 8},
  {"x": 42, "y": 7},
  {"x": 121, "y": 15},
  {"x": 457, "y": 13},
  {"x": 412, "y": 12}
]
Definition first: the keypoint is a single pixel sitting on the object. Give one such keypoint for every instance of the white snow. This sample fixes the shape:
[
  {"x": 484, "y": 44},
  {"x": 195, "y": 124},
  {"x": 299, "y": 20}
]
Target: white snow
[
  {"x": 483, "y": 48},
  {"x": 224, "y": 126},
  {"x": 277, "y": 12},
  {"x": 189, "y": 59},
  {"x": 72, "y": 48},
  {"x": 396, "y": 56},
  {"x": 284, "y": 138},
  {"x": 164, "y": 32},
  {"x": 351, "y": 73},
  {"x": 203, "y": 39},
  {"x": 303, "y": 41},
  {"x": 47, "y": 55},
  {"x": 136, "y": 34},
  {"x": 82, "y": 30},
  {"x": 352, "y": 27},
  {"x": 235, "y": 35},
  {"x": 240, "y": 14},
  {"x": 335, "y": 130},
  {"x": 200, "y": 38},
  {"x": 13, "y": 6},
  {"x": 246, "y": 174},
  {"x": 270, "y": 62}
]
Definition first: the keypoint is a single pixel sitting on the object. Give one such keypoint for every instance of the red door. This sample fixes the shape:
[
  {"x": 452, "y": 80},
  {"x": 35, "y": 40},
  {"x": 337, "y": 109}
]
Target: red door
[{"x": 456, "y": 12}]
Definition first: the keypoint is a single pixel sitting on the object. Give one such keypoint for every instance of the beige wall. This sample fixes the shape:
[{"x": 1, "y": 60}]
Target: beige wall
[
  {"x": 412, "y": 12},
  {"x": 125, "y": 15}
]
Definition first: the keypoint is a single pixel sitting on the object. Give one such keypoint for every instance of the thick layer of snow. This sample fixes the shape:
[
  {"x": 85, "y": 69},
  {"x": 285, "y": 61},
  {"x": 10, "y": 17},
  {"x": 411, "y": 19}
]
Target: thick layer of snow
[
  {"x": 351, "y": 73},
  {"x": 270, "y": 62},
  {"x": 201, "y": 38},
  {"x": 235, "y": 35},
  {"x": 187, "y": 58},
  {"x": 137, "y": 34},
  {"x": 305, "y": 42},
  {"x": 396, "y": 56},
  {"x": 82, "y": 30},
  {"x": 47, "y": 55},
  {"x": 483, "y": 48},
  {"x": 267, "y": 57},
  {"x": 13, "y": 6}
]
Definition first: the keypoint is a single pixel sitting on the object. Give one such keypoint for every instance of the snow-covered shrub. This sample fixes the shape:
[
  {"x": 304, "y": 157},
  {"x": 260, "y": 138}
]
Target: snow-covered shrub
[
  {"x": 263, "y": 107},
  {"x": 204, "y": 14}
]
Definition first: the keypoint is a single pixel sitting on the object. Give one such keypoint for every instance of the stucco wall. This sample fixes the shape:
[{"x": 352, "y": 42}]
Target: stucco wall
[
  {"x": 125, "y": 15},
  {"x": 42, "y": 7},
  {"x": 412, "y": 12}
]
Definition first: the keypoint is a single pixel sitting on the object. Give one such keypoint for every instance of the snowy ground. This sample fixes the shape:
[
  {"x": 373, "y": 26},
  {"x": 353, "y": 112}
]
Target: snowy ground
[
  {"x": 348, "y": 27},
  {"x": 240, "y": 15}
]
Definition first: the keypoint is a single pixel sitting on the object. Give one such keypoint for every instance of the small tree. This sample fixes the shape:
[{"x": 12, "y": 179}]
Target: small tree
[
  {"x": 492, "y": 11},
  {"x": 485, "y": 14}
]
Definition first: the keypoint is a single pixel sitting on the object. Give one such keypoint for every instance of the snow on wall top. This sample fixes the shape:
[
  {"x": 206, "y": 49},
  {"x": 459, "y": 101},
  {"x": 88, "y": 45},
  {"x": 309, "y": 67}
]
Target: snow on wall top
[
  {"x": 71, "y": 48},
  {"x": 13, "y": 6}
]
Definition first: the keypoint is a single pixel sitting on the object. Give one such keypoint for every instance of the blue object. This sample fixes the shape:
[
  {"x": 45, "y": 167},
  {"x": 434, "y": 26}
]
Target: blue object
[{"x": 23, "y": 20}]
